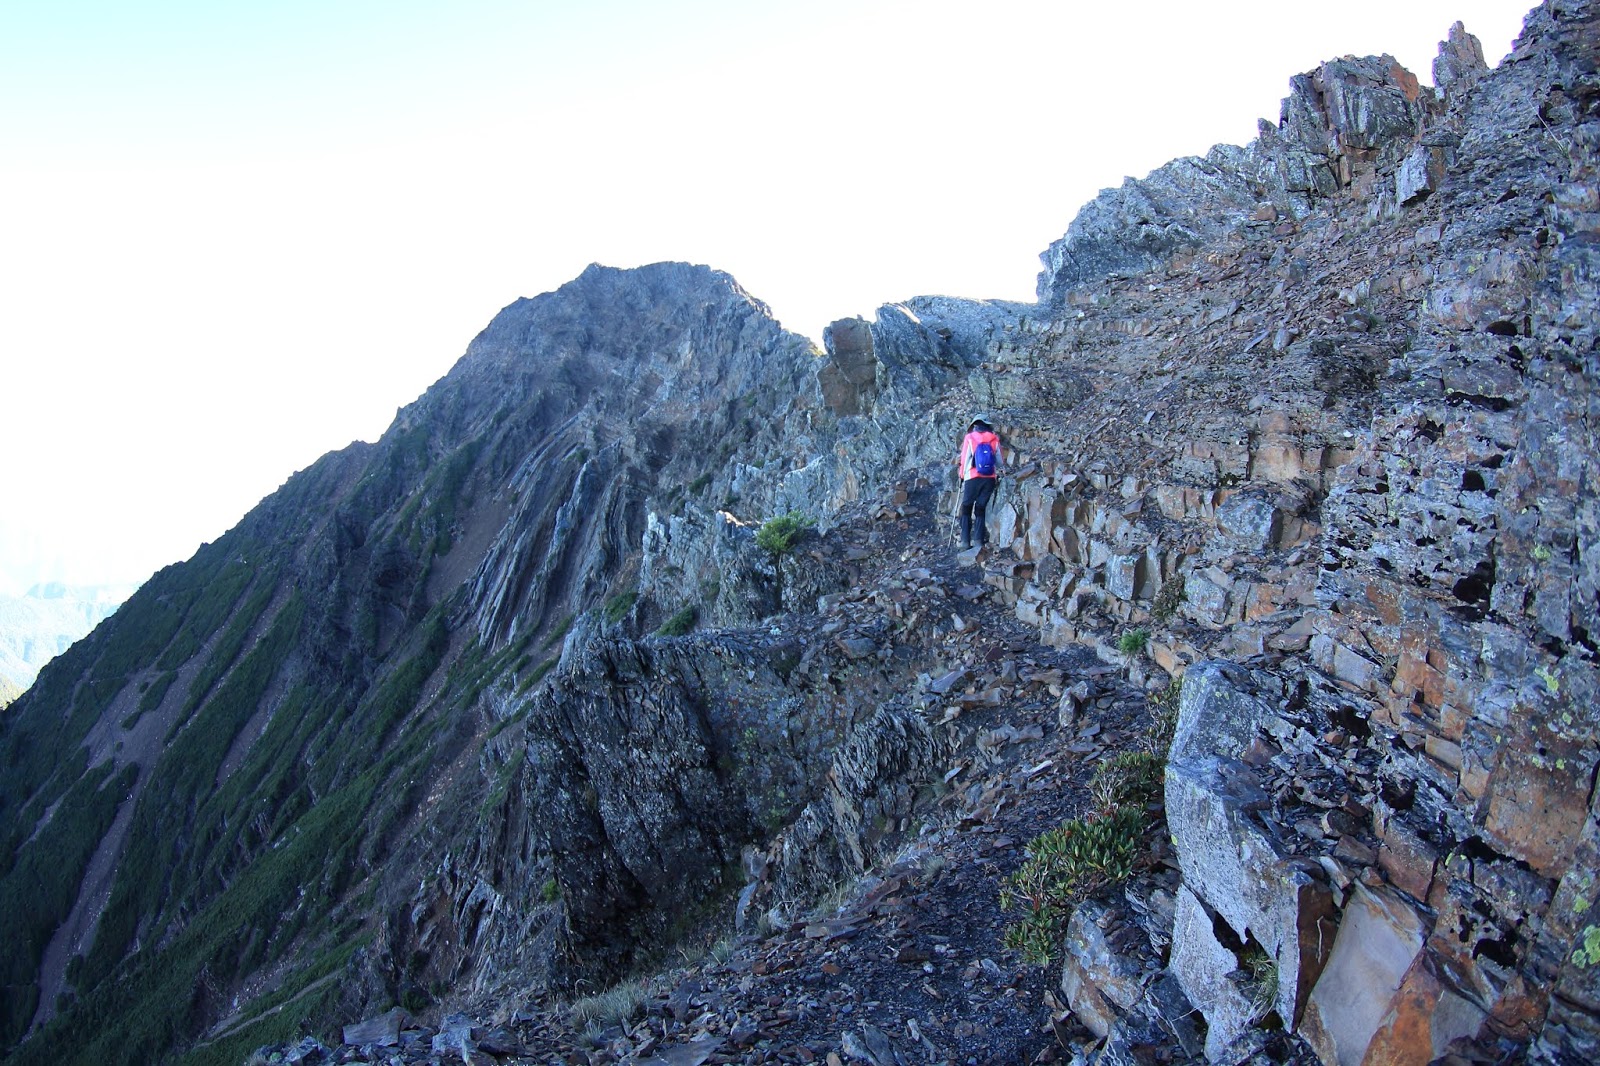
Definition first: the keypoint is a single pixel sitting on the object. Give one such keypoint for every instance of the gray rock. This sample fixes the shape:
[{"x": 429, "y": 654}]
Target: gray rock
[
  {"x": 1236, "y": 865},
  {"x": 857, "y": 647},
  {"x": 1250, "y": 521},
  {"x": 1219, "y": 713},
  {"x": 382, "y": 1031},
  {"x": 849, "y": 382},
  {"x": 1100, "y": 981},
  {"x": 1460, "y": 62},
  {"x": 307, "y": 1049},
  {"x": 1210, "y": 975},
  {"x": 1129, "y": 229}
]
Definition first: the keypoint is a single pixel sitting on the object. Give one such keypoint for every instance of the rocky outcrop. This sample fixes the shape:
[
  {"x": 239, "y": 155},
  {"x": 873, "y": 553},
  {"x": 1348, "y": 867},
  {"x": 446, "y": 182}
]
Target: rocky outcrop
[
  {"x": 1341, "y": 124},
  {"x": 333, "y": 655},
  {"x": 1417, "y": 578}
]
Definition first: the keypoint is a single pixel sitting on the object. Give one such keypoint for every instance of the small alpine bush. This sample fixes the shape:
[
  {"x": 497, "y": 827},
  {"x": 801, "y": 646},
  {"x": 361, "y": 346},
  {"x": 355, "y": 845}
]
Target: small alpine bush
[
  {"x": 1130, "y": 779},
  {"x": 1167, "y": 599},
  {"x": 1133, "y": 641},
  {"x": 619, "y": 605},
  {"x": 679, "y": 623},
  {"x": 1260, "y": 981},
  {"x": 1066, "y": 865},
  {"x": 1164, "y": 717},
  {"x": 619, "y": 1003},
  {"x": 779, "y": 535},
  {"x": 537, "y": 675},
  {"x": 559, "y": 633}
]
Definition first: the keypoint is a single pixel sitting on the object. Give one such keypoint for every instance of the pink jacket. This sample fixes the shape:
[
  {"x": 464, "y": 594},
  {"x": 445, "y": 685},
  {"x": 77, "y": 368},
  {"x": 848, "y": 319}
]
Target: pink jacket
[{"x": 969, "y": 443}]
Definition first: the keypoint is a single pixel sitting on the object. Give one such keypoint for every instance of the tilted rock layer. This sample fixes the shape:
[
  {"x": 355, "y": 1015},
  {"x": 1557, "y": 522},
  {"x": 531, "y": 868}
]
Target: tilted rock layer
[{"x": 1314, "y": 414}]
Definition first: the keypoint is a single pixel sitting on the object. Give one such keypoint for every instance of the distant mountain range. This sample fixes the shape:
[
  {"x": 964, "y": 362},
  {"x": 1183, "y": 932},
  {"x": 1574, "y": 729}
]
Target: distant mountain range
[{"x": 45, "y": 621}]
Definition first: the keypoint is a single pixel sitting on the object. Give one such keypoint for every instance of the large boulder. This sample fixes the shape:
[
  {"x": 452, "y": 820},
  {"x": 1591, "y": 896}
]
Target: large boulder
[{"x": 1267, "y": 906}]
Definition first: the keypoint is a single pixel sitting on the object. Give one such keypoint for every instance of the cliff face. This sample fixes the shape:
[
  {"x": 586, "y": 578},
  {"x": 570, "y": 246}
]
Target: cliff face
[
  {"x": 1382, "y": 507},
  {"x": 1314, "y": 415}
]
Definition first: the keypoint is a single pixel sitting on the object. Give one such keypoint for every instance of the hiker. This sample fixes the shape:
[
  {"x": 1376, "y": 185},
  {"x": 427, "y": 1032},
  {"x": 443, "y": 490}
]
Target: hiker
[{"x": 980, "y": 471}]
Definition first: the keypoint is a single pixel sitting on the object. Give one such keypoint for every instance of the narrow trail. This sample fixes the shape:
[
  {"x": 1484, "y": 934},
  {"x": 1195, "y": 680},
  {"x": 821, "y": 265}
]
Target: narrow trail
[{"x": 910, "y": 959}]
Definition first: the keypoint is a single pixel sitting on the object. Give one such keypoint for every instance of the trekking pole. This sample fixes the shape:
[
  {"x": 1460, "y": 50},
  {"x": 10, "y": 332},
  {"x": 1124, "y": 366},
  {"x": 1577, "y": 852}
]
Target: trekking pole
[{"x": 955, "y": 515}]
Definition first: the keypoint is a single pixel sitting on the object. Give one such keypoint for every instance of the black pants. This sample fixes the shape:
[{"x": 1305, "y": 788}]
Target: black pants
[{"x": 975, "y": 495}]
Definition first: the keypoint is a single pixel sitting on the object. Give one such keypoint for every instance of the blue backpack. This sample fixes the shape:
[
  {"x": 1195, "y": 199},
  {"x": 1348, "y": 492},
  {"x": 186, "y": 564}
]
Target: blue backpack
[{"x": 983, "y": 459}]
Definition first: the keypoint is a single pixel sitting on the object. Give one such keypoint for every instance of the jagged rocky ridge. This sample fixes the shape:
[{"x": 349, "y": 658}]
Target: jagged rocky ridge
[{"x": 1315, "y": 413}]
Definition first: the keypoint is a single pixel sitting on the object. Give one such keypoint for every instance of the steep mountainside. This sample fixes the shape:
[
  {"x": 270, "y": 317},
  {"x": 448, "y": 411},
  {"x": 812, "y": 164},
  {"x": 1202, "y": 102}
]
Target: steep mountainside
[
  {"x": 513, "y": 703},
  {"x": 214, "y": 779}
]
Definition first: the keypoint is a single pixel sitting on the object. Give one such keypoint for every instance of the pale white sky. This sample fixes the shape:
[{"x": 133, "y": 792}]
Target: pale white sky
[{"x": 234, "y": 236}]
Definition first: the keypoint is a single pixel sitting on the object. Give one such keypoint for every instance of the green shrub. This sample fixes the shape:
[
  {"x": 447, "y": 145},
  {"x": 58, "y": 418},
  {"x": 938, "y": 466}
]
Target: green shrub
[
  {"x": 1066, "y": 865},
  {"x": 537, "y": 676},
  {"x": 1133, "y": 641},
  {"x": 679, "y": 623},
  {"x": 619, "y": 1003},
  {"x": 559, "y": 633},
  {"x": 1132, "y": 778},
  {"x": 779, "y": 535},
  {"x": 550, "y": 891},
  {"x": 1260, "y": 981},
  {"x": 1164, "y": 717},
  {"x": 619, "y": 605}
]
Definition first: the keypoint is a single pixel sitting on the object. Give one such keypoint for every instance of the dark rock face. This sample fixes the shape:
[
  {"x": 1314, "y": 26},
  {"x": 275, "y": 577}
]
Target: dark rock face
[
  {"x": 850, "y": 380},
  {"x": 1438, "y": 654},
  {"x": 1130, "y": 229},
  {"x": 631, "y": 397}
]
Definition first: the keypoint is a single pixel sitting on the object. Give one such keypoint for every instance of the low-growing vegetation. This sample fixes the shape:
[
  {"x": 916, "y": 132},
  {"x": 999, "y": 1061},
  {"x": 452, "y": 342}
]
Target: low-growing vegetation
[
  {"x": 559, "y": 633},
  {"x": 1168, "y": 598},
  {"x": 536, "y": 675},
  {"x": 620, "y": 1003},
  {"x": 1084, "y": 856},
  {"x": 1067, "y": 865},
  {"x": 1132, "y": 778},
  {"x": 680, "y": 623},
  {"x": 779, "y": 535},
  {"x": 1163, "y": 718},
  {"x": 618, "y": 606}
]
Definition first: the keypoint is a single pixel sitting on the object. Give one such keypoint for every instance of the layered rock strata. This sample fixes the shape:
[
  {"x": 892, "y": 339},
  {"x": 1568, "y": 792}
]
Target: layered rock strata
[{"x": 1412, "y": 548}]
